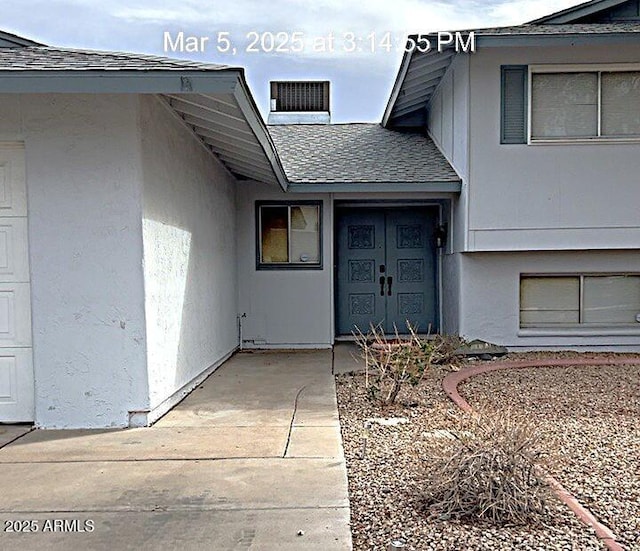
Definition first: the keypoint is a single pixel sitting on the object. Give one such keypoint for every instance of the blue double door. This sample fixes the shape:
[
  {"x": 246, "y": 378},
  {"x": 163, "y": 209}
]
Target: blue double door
[{"x": 386, "y": 269}]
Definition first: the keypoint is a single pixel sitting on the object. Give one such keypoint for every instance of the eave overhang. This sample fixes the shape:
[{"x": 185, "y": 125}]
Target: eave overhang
[
  {"x": 375, "y": 187},
  {"x": 420, "y": 74},
  {"x": 215, "y": 105}
]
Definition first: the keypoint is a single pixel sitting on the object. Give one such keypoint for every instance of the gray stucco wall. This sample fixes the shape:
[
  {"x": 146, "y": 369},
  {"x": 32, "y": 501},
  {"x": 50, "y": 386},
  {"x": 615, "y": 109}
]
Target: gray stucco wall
[
  {"x": 448, "y": 125},
  {"x": 189, "y": 225},
  {"x": 490, "y": 299},
  {"x": 448, "y": 115},
  {"x": 290, "y": 308},
  {"x": 451, "y": 293},
  {"x": 547, "y": 197},
  {"x": 283, "y": 307},
  {"x": 84, "y": 197}
]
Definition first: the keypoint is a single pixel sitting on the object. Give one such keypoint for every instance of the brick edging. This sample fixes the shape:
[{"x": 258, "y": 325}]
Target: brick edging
[{"x": 450, "y": 386}]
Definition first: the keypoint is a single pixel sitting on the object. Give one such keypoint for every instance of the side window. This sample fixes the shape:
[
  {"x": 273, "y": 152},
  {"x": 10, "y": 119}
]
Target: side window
[
  {"x": 580, "y": 300},
  {"x": 289, "y": 235}
]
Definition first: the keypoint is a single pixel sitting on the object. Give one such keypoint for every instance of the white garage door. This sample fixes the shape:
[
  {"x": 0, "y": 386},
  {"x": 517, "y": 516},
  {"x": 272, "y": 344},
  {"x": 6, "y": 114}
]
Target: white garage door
[{"x": 16, "y": 363}]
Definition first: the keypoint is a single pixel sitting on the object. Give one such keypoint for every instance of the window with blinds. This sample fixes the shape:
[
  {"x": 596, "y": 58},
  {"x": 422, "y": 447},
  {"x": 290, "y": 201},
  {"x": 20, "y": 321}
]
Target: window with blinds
[
  {"x": 579, "y": 300},
  {"x": 584, "y": 105},
  {"x": 300, "y": 96},
  {"x": 289, "y": 235}
]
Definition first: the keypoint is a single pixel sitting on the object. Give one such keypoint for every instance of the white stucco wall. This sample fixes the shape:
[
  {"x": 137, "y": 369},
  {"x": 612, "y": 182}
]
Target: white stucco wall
[
  {"x": 85, "y": 236},
  {"x": 547, "y": 197},
  {"x": 189, "y": 225},
  {"x": 291, "y": 308},
  {"x": 490, "y": 300}
]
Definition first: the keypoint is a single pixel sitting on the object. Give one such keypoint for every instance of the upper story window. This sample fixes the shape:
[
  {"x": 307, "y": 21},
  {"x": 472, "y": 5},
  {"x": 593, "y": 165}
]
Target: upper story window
[
  {"x": 289, "y": 235},
  {"x": 578, "y": 103},
  {"x": 584, "y": 105}
]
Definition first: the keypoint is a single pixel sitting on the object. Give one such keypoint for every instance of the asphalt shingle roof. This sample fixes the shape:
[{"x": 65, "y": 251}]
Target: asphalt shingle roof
[
  {"x": 43, "y": 58},
  {"x": 358, "y": 153},
  {"x": 569, "y": 28}
]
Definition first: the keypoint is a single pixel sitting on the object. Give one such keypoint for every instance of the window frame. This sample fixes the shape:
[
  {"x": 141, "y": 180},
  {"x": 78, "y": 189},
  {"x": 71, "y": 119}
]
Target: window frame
[
  {"x": 287, "y": 265},
  {"x": 598, "y": 68},
  {"x": 581, "y": 325}
]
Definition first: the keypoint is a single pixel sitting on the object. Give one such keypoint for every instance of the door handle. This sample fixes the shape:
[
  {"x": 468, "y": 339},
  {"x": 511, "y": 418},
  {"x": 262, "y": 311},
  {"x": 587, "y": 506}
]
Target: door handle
[
  {"x": 381, "y": 286},
  {"x": 389, "y": 284}
]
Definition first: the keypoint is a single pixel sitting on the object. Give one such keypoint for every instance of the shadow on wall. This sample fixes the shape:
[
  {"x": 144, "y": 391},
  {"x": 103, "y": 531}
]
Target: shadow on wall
[
  {"x": 189, "y": 302},
  {"x": 189, "y": 221}
]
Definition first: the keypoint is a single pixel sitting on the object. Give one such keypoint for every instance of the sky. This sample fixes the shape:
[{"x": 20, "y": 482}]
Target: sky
[{"x": 361, "y": 60}]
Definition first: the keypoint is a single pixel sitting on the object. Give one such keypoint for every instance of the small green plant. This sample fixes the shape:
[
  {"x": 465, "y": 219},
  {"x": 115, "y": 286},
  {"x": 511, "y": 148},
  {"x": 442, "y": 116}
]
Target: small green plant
[
  {"x": 392, "y": 363},
  {"x": 492, "y": 470}
]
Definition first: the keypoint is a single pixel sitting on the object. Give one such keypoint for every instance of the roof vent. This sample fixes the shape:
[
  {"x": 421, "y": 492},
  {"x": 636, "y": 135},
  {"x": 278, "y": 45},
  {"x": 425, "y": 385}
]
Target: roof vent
[{"x": 299, "y": 102}]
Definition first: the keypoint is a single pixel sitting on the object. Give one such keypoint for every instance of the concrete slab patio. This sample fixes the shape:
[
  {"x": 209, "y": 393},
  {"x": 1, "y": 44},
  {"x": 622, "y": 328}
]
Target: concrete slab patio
[{"x": 250, "y": 459}]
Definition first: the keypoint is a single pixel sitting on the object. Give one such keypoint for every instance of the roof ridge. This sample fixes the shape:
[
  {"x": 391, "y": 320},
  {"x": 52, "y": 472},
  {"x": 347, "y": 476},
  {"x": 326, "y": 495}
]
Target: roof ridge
[
  {"x": 546, "y": 27},
  {"x": 563, "y": 14}
]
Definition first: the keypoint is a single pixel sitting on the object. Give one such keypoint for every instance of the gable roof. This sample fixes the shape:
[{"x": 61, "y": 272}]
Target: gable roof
[
  {"x": 421, "y": 73},
  {"x": 570, "y": 15},
  {"x": 9, "y": 40},
  {"x": 343, "y": 157}
]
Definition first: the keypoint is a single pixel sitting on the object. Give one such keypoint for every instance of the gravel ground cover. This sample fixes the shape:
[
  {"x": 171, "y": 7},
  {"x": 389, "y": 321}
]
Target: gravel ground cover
[
  {"x": 385, "y": 487},
  {"x": 591, "y": 416}
]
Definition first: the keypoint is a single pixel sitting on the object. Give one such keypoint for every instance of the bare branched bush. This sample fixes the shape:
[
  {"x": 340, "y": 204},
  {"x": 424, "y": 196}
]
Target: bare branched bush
[
  {"x": 393, "y": 362},
  {"x": 492, "y": 470}
]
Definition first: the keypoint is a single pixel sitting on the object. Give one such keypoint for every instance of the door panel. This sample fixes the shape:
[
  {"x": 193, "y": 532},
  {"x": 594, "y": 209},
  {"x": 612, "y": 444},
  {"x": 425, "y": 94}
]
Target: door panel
[
  {"x": 14, "y": 255},
  {"x": 385, "y": 269},
  {"x": 16, "y": 384},
  {"x": 411, "y": 259},
  {"x": 360, "y": 251},
  {"x": 13, "y": 197},
  {"x": 16, "y": 362},
  {"x": 15, "y": 315}
]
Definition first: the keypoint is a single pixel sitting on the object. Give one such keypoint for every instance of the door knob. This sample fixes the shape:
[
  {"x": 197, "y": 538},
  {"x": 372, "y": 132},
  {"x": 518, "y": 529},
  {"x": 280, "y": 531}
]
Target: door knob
[
  {"x": 381, "y": 286},
  {"x": 389, "y": 284}
]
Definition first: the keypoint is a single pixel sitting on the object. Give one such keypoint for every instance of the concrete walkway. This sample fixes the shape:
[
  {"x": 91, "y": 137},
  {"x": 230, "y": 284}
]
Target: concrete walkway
[{"x": 250, "y": 460}]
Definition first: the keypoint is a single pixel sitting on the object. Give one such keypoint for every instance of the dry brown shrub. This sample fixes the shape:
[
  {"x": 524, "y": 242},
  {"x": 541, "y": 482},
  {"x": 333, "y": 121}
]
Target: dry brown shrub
[
  {"x": 391, "y": 363},
  {"x": 443, "y": 347},
  {"x": 492, "y": 470}
]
